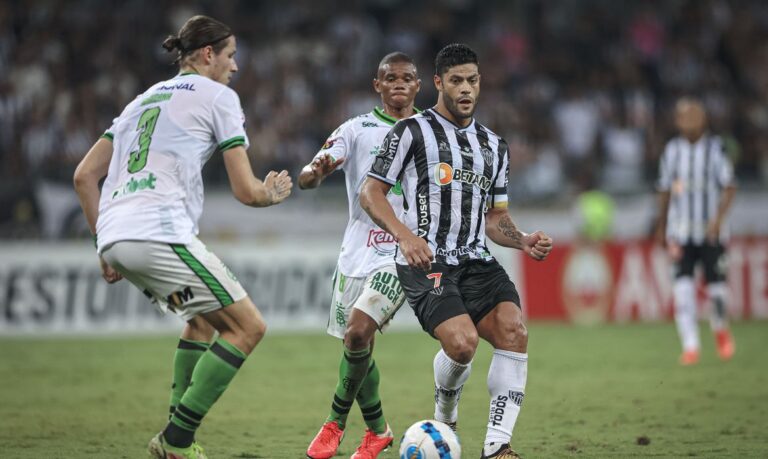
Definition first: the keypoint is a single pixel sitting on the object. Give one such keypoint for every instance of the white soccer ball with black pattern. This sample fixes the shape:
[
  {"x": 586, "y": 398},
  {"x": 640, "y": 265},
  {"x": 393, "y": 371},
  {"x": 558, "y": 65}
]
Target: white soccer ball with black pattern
[{"x": 430, "y": 439}]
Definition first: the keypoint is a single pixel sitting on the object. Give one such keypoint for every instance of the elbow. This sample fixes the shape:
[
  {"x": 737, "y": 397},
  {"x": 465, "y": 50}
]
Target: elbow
[
  {"x": 80, "y": 178},
  {"x": 365, "y": 198}
]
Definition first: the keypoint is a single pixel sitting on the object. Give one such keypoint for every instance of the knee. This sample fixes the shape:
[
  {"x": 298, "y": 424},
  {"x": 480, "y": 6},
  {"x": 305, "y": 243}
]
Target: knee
[
  {"x": 253, "y": 332},
  {"x": 356, "y": 337},
  {"x": 461, "y": 347},
  {"x": 512, "y": 336}
]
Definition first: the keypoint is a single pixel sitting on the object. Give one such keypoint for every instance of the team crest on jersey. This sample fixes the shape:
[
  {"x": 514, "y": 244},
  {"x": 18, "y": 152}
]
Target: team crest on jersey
[
  {"x": 487, "y": 154},
  {"x": 443, "y": 146},
  {"x": 328, "y": 144}
]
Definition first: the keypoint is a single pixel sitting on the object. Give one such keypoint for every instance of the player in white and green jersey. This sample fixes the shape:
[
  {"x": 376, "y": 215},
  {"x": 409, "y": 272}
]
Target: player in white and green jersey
[
  {"x": 146, "y": 218},
  {"x": 366, "y": 291}
]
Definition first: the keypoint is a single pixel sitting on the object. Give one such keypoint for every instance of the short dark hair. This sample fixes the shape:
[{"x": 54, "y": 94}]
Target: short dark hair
[
  {"x": 453, "y": 55},
  {"x": 395, "y": 57},
  {"x": 198, "y": 32}
]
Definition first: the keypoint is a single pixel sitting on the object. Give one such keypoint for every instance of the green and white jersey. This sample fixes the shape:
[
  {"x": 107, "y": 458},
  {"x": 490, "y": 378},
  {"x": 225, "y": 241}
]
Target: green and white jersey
[
  {"x": 366, "y": 247},
  {"x": 161, "y": 140}
]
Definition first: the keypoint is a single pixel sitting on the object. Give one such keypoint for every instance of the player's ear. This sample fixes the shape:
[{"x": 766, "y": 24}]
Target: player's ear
[
  {"x": 376, "y": 86},
  {"x": 438, "y": 82},
  {"x": 418, "y": 84}
]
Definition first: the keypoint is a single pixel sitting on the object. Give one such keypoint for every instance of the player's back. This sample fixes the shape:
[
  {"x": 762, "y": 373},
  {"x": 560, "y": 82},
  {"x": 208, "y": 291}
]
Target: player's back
[{"x": 161, "y": 140}]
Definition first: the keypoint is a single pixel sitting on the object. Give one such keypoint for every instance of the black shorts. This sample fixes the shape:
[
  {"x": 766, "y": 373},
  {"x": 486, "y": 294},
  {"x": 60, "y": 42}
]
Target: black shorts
[
  {"x": 711, "y": 256},
  {"x": 474, "y": 287}
]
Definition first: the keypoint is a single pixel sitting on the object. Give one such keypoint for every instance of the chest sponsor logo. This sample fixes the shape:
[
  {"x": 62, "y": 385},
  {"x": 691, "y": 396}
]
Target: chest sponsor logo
[
  {"x": 369, "y": 124},
  {"x": 178, "y": 86},
  {"x": 445, "y": 174},
  {"x": 382, "y": 242},
  {"x": 441, "y": 252}
]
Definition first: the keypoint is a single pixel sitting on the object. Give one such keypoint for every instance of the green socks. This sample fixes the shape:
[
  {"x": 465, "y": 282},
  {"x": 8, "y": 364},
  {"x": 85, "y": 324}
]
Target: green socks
[
  {"x": 210, "y": 378},
  {"x": 187, "y": 354},
  {"x": 352, "y": 371},
  {"x": 369, "y": 401}
]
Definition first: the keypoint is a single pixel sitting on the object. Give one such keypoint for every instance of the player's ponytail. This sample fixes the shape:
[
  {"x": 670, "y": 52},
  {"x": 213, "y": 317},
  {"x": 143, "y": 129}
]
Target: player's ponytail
[{"x": 198, "y": 32}]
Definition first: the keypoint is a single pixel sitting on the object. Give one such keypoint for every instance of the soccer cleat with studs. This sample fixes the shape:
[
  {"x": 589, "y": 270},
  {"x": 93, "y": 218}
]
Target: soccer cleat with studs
[
  {"x": 326, "y": 442},
  {"x": 374, "y": 444},
  {"x": 159, "y": 449},
  {"x": 504, "y": 452}
]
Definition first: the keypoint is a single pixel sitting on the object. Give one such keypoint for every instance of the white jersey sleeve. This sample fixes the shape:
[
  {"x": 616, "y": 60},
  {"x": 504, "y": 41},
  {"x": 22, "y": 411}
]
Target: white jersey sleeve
[
  {"x": 340, "y": 143},
  {"x": 723, "y": 168},
  {"x": 228, "y": 121},
  {"x": 666, "y": 168}
]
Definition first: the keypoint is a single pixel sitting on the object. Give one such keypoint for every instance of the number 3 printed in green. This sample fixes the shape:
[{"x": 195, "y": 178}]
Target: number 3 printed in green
[{"x": 138, "y": 159}]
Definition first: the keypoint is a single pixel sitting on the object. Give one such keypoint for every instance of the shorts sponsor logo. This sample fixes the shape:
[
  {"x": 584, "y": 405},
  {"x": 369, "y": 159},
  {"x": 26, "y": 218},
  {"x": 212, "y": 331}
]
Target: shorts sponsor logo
[
  {"x": 177, "y": 299},
  {"x": 341, "y": 318},
  {"x": 387, "y": 284},
  {"x": 423, "y": 222},
  {"x": 382, "y": 242},
  {"x": 445, "y": 174}
]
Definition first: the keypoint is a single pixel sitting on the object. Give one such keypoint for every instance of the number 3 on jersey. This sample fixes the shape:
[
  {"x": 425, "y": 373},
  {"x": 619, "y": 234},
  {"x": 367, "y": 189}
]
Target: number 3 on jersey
[{"x": 138, "y": 159}]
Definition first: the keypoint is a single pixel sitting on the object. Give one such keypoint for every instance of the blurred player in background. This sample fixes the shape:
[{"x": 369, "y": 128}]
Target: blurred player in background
[
  {"x": 147, "y": 215},
  {"x": 454, "y": 178},
  {"x": 696, "y": 188},
  {"x": 366, "y": 291}
]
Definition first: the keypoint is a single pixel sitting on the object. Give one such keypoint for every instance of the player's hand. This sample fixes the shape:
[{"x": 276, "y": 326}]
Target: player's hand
[
  {"x": 324, "y": 165},
  {"x": 278, "y": 186},
  {"x": 417, "y": 252},
  {"x": 109, "y": 273},
  {"x": 537, "y": 245},
  {"x": 713, "y": 231},
  {"x": 674, "y": 250}
]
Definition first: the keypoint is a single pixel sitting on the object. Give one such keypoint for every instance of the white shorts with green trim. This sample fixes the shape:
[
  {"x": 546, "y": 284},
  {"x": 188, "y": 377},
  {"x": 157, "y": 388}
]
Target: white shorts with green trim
[
  {"x": 379, "y": 296},
  {"x": 185, "y": 278}
]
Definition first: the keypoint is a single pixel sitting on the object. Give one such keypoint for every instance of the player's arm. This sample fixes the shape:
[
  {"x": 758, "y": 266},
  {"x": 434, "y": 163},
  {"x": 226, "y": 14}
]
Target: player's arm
[
  {"x": 247, "y": 188},
  {"x": 662, "y": 197},
  {"x": 373, "y": 199},
  {"x": 89, "y": 172},
  {"x": 725, "y": 178},
  {"x": 315, "y": 172},
  {"x": 500, "y": 228}
]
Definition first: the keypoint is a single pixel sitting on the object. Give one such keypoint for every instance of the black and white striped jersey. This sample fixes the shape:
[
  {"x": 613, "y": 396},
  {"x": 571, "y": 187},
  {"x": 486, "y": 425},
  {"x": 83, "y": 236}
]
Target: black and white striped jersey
[
  {"x": 449, "y": 176},
  {"x": 694, "y": 174}
]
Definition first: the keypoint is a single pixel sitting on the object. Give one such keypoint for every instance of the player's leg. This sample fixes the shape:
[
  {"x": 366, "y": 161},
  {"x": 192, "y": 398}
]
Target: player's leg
[
  {"x": 436, "y": 301},
  {"x": 504, "y": 329},
  {"x": 194, "y": 341},
  {"x": 713, "y": 258},
  {"x": 240, "y": 328},
  {"x": 684, "y": 292},
  {"x": 493, "y": 303},
  {"x": 345, "y": 292}
]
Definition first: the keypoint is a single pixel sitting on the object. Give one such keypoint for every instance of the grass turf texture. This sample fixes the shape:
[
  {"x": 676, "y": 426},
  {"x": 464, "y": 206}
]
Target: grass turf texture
[{"x": 592, "y": 392}]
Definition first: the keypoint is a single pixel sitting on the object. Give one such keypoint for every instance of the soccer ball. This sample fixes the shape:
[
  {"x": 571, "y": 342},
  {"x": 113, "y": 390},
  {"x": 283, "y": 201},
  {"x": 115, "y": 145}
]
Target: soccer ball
[{"x": 430, "y": 439}]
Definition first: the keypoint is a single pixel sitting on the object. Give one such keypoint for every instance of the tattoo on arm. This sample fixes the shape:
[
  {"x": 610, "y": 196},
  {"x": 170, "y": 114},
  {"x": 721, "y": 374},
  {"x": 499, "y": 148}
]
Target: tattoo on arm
[{"x": 508, "y": 229}]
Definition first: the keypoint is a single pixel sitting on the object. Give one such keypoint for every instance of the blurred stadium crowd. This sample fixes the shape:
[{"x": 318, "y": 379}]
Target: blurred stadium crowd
[{"x": 581, "y": 90}]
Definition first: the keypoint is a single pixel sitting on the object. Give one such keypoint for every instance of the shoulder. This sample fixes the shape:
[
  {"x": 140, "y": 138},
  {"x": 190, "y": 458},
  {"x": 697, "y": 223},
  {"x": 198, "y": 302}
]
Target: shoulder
[{"x": 483, "y": 130}]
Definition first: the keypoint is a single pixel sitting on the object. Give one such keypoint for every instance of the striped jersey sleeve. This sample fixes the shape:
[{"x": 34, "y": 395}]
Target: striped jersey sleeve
[
  {"x": 501, "y": 181},
  {"x": 723, "y": 169},
  {"x": 390, "y": 160},
  {"x": 228, "y": 121},
  {"x": 666, "y": 168}
]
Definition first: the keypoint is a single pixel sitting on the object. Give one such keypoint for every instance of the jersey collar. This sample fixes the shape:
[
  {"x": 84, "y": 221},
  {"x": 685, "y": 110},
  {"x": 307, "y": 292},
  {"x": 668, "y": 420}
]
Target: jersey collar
[
  {"x": 456, "y": 126},
  {"x": 379, "y": 113}
]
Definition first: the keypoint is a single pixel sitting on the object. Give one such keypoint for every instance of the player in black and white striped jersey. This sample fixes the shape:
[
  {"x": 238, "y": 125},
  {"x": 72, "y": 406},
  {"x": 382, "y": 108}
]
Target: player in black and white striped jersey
[
  {"x": 696, "y": 187},
  {"x": 454, "y": 176}
]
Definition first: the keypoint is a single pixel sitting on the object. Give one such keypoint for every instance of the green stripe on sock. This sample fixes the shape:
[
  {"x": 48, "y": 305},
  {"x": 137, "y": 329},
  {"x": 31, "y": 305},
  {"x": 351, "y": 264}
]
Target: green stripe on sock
[
  {"x": 369, "y": 401},
  {"x": 202, "y": 272}
]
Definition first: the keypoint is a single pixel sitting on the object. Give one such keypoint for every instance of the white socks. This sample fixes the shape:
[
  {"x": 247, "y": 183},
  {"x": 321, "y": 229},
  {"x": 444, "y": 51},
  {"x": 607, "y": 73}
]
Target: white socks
[
  {"x": 718, "y": 317},
  {"x": 450, "y": 377},
  {"x": 506, "y": 384},
  {"x": 685, "y": 313}
]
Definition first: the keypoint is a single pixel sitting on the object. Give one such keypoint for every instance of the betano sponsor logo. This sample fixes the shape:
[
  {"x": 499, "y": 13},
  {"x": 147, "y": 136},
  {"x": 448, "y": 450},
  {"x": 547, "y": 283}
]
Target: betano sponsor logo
[{"x": 445, "y": 174}]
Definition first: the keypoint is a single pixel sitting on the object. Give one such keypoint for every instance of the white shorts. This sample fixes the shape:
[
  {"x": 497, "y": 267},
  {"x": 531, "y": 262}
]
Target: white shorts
[
  {"x": 185, "y": 278},
  {"x": 379, "y": 295}
]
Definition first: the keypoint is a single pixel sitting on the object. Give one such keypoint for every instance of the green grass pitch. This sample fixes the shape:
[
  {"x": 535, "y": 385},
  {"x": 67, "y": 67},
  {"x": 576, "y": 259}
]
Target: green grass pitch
[{"x": 592, "y": 392}]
